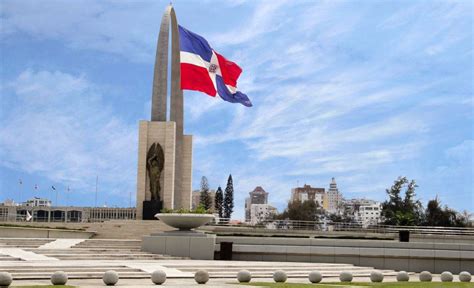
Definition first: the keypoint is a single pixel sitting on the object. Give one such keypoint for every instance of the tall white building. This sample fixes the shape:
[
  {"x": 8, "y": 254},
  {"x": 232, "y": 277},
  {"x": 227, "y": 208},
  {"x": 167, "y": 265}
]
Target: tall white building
[
  {"x": 334, "y": 198},
  {"x": 365, "y": 212},
  {"x": 261, "y": 212},
  {"x": 257, "y": 196}
]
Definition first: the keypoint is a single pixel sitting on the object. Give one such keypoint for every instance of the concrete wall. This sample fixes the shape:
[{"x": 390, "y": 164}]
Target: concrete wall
[
  {"x": 414, "y": 257},
  {"x": 187, "y": 172},
  {"x": 181, "y": 244},
  {"x": 21, "y": 232}
]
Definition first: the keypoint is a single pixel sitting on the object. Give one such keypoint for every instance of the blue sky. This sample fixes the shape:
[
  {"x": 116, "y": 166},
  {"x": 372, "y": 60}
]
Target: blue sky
[{"x": 364, "y": 91}]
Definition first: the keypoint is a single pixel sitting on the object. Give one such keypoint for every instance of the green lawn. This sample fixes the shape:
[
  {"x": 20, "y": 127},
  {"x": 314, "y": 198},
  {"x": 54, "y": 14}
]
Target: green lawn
[{"x": 387, "y": 284}]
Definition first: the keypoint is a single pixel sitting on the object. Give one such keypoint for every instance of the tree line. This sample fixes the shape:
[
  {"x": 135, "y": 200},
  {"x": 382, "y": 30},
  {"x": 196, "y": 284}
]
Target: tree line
[
  {"x": 405, "y": 210},
  {"x": 398, "y": 209},
  {"x": 223, "y": 202}
]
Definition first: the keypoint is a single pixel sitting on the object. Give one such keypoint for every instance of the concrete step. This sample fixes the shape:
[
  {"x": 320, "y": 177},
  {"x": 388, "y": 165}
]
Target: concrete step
[
  {"x": 90, "y": 253},
  {"x": 119, "y": 258},
  {"x": 81, "y": 250},
  {"x": 108, "y": 247},
  {"x": 8, "y": 258},
  {"x": 71, "y": 269}
]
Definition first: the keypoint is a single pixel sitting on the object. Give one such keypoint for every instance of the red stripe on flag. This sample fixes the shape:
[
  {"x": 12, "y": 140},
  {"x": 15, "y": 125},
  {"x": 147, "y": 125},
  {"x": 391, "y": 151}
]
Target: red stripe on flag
[
  {"x": 229, "y": 70},
  {"x": 196, "y": 78}
]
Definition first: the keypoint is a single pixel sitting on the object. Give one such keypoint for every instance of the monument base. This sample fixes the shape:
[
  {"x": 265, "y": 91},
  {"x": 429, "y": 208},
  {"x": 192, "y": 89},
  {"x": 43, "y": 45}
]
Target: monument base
[
  {"x": 150, "y": 208},
  {"x": 194, "y": 245}
]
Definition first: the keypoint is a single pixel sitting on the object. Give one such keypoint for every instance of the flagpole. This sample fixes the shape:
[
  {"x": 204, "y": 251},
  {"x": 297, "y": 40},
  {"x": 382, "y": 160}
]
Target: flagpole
[
  {"x": 96, "y": 183},
  {"x": 67, "y": 194},
  {"x": 20, "y": 182}
]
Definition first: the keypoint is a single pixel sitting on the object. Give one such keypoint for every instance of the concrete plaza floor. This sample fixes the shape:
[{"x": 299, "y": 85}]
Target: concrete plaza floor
[{"x": 33, "y": 261}]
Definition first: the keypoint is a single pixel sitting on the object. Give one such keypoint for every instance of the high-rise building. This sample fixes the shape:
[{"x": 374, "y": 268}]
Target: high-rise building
[
  {"x": 364, "y": 211},
  {"x": 259, "y": 213},
  {"x": 308, "y": 193},
  {"x": 334, "y": 198},
  {"x": 257, "y": 196}
]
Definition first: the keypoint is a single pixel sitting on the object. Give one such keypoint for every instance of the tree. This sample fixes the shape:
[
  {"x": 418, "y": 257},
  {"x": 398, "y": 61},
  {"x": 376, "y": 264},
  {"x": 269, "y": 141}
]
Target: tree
[
  {"x": 218, "y": 202},
  {"x": 446, "y": 217},
  {"x": 229, "y": 198},
  {"x": 205, "y": 199},
  {"x": 301, "y": 211},
  {"x": 402, "y": 211}
]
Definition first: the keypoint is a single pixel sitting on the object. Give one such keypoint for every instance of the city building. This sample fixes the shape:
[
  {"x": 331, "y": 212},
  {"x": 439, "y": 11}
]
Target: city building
[
  {"x": 364, "y": 211},
  {"x": 259, "y": 213},
  {"x": 257, "y": 196},
  {"x": 333, "y": 199},
  {"x": 40, "y": 210},
  {"x": 309, "y": 193},
  {"x": 37, "y": 202},
  {"x": 196, "y": 198},
  {"x": 8, "y": 202}
]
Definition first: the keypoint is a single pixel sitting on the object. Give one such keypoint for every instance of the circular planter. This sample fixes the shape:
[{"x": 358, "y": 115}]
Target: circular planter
[{"x": 184, "y": 221}]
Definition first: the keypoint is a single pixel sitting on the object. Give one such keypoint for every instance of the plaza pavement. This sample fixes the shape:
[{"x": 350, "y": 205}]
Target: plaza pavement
[{"x": 32, "y": 261}]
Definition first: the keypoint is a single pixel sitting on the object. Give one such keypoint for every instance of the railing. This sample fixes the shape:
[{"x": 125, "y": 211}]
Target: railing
[{"x": 342, "y": 226}]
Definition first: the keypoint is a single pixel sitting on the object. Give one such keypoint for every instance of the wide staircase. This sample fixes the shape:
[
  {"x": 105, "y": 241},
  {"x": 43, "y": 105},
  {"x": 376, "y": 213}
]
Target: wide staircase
[
  {"x": 95, "y": 249},
  {"x": 87, "y": 259},
  {"x": 23, "y": 242},
  {"x": 112, "y": 229}
]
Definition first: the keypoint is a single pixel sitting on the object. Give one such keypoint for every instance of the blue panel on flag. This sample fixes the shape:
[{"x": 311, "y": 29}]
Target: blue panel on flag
[
  {"x": 193, "y": 43},
  {"x": 225, "y": 94}
]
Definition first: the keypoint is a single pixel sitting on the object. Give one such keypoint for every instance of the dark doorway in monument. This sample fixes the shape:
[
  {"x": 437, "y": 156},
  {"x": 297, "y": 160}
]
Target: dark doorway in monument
[
  {"x": 58, "y": 216},
  {"x": 74, "y": 216},
  {"x": 40, "y": 215}
]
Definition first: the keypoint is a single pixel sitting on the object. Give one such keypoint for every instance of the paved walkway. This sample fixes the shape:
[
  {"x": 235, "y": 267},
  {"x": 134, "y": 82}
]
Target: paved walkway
[
  {"x": 61, "y": 244},
  {"x": 25, "y": 255}
]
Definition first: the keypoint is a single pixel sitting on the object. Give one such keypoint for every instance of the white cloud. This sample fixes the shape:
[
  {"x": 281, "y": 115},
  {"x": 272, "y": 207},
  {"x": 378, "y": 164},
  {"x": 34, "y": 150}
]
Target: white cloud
[
  {"x": 107, "y": 26},
  {"x": 263, "y": 20},
  {"x": 59, "y": 127}
]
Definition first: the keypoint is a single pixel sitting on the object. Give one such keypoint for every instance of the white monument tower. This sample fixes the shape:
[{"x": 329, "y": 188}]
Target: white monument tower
[{"x": 164, "y": 152}]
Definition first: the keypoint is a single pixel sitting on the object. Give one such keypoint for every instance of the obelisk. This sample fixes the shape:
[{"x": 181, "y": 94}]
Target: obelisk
[{"x": 172, "y": 175}]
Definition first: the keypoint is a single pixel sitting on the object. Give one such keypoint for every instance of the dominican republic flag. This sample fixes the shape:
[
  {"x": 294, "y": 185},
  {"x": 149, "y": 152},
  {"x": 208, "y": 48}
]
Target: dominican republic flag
[{"x": 203, "y": 69}]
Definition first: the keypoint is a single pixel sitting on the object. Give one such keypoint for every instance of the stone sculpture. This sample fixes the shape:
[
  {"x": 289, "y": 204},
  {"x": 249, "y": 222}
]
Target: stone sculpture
[{"x": 155, "y": 161}]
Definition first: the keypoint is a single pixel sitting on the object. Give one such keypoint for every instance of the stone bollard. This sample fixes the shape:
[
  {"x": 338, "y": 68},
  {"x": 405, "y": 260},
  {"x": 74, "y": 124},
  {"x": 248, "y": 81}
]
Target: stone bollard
[
  {"x": 425, "y": 276},
  {"x": 5, "y": 279},
  {"x": 201, "y": 276},
  {"x": 447, "y": 276},
  {"x": 279, "y": 276},
  {"x": 403, "y": 276},
  {"x": 59, "y": 278},
  {"x": 465, "y": 276},
  {"x": 244, "y": 276},
  {"x": 345, "y": 276},
  {"x": 376, "y": 276},
  {"x": 110, "y": 278},
  {"x": 315, "y": 276},
  {"x": 158, "y": 277}
]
